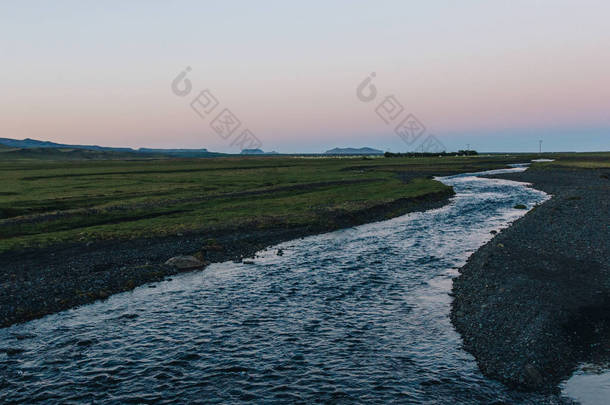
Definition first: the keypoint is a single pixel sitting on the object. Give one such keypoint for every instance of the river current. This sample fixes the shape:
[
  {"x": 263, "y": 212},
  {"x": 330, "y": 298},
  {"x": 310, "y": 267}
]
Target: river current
[{"x": 358, "y": 315}]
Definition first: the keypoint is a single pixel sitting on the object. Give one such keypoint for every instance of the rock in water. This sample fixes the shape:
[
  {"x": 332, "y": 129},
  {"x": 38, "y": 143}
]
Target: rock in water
[{"x": 185, "y": 262}]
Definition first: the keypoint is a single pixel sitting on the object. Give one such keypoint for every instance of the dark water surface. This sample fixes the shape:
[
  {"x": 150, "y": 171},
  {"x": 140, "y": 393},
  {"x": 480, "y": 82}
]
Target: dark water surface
[{"x": 358, "y": 315}]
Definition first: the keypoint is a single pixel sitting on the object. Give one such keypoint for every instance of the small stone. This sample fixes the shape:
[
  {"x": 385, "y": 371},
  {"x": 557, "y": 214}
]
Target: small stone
[
  {"x": 533, "y": 375},
  {"x": 185, "y": 262}
]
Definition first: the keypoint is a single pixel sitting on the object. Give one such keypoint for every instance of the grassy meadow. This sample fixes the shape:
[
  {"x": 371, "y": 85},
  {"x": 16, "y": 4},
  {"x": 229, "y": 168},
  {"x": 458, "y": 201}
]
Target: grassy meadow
[
  {"x": 43, "y": 202},
  {"x": 588, "y": 160}
]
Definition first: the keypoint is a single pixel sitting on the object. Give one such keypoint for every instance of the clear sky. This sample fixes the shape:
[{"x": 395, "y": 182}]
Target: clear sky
[{"x": 498, "y": 75}]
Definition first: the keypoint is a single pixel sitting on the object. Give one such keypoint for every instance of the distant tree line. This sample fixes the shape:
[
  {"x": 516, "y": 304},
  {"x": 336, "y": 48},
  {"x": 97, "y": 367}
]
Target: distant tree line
[{"x": 429, "y": 154}]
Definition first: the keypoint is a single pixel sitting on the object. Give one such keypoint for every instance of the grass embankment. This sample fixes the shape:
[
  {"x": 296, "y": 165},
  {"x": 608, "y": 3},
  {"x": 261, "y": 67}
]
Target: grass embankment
[{"x": 44, "y": 203}]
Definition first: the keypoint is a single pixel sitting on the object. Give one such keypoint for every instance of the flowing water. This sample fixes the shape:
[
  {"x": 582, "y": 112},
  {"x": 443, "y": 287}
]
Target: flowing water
[
  {"x": 589, "y": 385},
  {"x": 357, "y": 315}
]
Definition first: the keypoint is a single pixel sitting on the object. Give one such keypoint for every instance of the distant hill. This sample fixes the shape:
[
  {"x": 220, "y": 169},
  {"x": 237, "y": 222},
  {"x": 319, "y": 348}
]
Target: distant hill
[
  {"x": 354, "y": 151},
  {"x": 48, "y": 153},
  {"x": 35, "y": 148}
]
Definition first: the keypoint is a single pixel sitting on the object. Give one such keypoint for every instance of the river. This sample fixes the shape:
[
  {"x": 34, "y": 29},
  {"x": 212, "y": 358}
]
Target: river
[{"x": 358, "y": 315}]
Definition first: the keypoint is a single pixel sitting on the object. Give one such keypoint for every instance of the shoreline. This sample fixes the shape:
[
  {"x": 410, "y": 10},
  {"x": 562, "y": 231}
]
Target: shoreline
[
  {"x": 41, "y": 281},
  {"x": 534, "y": 302}
]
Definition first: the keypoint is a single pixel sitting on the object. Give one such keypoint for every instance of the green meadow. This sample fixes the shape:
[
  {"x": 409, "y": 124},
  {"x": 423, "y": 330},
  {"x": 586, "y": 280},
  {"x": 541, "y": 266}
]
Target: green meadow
[{"x": 43, "y": 202}]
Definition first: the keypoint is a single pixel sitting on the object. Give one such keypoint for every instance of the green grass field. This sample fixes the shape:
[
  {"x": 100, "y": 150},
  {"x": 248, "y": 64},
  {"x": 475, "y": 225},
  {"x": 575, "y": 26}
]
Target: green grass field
[{"x": 44, "y": 202}]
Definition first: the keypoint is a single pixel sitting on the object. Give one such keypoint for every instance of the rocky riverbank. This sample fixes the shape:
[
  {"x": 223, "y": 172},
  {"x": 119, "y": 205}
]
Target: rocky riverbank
[
  {"x": 38, "y": 282},
  {"x": 535, "y": 301}
]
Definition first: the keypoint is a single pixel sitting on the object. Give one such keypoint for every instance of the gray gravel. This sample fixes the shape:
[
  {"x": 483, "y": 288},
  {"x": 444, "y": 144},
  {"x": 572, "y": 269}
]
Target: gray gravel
[
  {"x": 38, "y": 282},
  {"x": 535, "y": 301}
]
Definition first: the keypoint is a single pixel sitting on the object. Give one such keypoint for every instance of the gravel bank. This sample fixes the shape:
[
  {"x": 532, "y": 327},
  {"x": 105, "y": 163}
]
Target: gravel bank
[
  {"x": 38, "y": 282},
  {"x": 535, "y": 301}
]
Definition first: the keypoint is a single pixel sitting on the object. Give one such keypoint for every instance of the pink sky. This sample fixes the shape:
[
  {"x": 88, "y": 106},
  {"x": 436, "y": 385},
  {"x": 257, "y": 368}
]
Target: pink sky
[{"x": 100, "y": 73}]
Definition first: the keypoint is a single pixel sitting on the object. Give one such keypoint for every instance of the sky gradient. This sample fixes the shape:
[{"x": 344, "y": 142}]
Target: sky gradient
[{"x": 496, "y": 75}]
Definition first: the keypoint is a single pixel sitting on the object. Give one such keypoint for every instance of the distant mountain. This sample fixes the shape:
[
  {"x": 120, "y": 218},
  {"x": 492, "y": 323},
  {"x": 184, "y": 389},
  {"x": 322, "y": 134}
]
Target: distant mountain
[
  {"x": 181, "y": 152},
  {"x": 33, "y": 143},
  {"x": 257, "y": 152},
  {"x": 42, "y": 145},
  {"x": 149, "y": 150},
  {"x": 252, "y": 152},
  {"x": 354, "y": 151}
]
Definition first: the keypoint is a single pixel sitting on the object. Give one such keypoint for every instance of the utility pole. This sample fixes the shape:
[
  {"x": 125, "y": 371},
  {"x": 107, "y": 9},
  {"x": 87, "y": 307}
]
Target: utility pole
[
  {"x": 467, "y": 146},
  {"x": 540, "y": 147}
]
